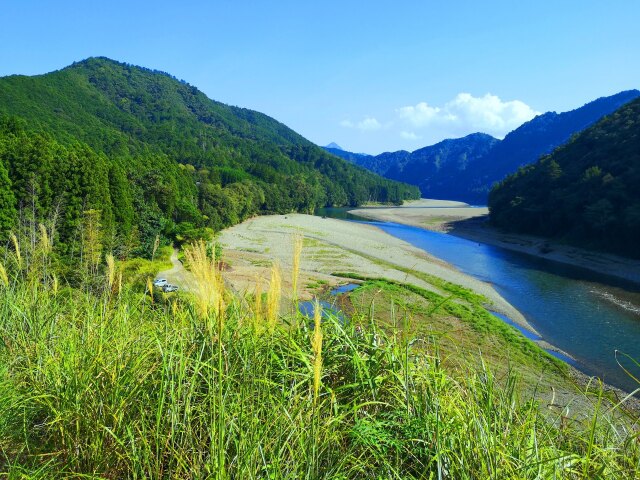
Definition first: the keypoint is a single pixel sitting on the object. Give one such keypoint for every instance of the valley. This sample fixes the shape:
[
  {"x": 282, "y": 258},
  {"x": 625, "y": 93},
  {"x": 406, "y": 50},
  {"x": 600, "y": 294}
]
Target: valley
[
  {"x": 466, "y": 168},
  {"x": 392, "y": 274},
  {"x": 472, "y": 223},
  {"x": 324, "y": 321}
]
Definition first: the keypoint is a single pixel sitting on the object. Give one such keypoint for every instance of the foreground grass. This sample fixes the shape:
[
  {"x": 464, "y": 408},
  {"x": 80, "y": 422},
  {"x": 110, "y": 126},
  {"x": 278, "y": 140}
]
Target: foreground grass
[{"x": 123, "y": 385}]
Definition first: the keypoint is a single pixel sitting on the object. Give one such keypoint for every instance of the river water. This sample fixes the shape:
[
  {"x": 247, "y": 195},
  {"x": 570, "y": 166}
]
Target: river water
[{"x": 588, "y": 315}]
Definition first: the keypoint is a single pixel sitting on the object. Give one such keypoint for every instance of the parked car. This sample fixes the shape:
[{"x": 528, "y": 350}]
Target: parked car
[
  {"x": 160, "y": 282},
  {"x": 169, "y": 288}
]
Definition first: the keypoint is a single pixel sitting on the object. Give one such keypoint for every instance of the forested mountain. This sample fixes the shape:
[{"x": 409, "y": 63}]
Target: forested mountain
[
  {"x": 130, "y": 142},
  {"x": 436, "y": 169},
  {"x": 584, "y": 192},
  {"x": 466, "y": 168},
  {"x": 533, "y": 139},
  {"x": 376, "y": 163}
]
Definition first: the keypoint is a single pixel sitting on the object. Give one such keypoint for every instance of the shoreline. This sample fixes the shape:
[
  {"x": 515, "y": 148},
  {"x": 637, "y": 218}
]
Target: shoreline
[
  {"x": 334, "y": 245},
  {"x": 462, "y": 220},
  {"x": 471, "y": 223}
]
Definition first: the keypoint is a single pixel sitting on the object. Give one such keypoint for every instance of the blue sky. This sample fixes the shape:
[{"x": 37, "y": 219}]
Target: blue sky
[{"x": 372, "y": 75}]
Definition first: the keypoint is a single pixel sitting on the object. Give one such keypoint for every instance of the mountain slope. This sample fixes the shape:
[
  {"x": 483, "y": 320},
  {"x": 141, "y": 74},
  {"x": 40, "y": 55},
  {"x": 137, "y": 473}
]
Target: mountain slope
[
  {"x": 436, "y": 170},
  {"x": 230, "y": 162},
  {"x": 584, "y": 192},
  {"x": 533, "y": 139}
]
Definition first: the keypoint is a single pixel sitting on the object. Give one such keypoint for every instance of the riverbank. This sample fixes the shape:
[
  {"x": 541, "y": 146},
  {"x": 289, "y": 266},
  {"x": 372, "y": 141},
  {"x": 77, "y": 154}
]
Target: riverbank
[
  {"x": 462, "y": 220},
  {"x": 332, "y": 246}
]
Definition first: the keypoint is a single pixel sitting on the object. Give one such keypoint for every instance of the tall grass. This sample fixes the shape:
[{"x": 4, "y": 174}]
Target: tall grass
[
  {"x": 4, "y": 278},
  {"x": 316, "y": 347},
  {"x": 297, "y": 242},
  {"x": 100, "y": 386},
  {"x": 274, "y": 295},
  {"x": 257, "y": 314},
  {"x": 209, "y": 291},
  {"x": 16, "y": 247}
]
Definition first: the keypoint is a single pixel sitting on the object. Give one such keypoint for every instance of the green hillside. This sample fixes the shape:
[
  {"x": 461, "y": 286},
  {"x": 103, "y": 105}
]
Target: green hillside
[
  {"x": 178, "y": 161},
  {"x": 585, "y": 192}
]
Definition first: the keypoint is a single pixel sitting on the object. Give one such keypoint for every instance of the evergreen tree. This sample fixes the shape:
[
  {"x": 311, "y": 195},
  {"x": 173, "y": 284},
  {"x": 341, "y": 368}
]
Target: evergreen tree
[
  {"x": 585, "y": 192},
  {"x": 7, "y": 202}
]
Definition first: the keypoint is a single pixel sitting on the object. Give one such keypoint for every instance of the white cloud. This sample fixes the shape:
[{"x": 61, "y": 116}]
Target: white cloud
[
  {"x": 467, "y": 114},
  {"x": 409, "y": 135},
  {"x": 367, "y": 124},
  {"x": 420, "y": 114},
  {"x": 424, "y": 123}
]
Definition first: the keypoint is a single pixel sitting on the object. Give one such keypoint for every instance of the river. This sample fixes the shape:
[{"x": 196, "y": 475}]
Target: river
[{"x": 587, "y": 315}]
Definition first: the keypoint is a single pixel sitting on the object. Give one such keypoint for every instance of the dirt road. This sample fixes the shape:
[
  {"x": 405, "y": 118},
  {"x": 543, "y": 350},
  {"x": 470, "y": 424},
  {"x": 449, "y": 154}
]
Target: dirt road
[{"x": 178, "y": 275}]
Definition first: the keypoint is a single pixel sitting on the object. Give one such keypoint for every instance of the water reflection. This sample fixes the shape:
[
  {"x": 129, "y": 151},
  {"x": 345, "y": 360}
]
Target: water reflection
[{"x": 328, "y": 309}]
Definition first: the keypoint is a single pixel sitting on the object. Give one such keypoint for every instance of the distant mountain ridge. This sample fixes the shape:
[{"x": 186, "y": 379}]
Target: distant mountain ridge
[
  {"x": 357, "y": 158},
  {"x": 438, "y": 168},
  {"x": 466, "y": 168},
  {"x": 537, "y": 137},
  {"x": 434, "y": 169}
]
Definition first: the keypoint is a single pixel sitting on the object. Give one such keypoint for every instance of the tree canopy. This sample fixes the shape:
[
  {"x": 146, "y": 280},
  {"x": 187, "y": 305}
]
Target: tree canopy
[
  {"x": 585, "y": 192},
  {"x": 157, "y": 157}
]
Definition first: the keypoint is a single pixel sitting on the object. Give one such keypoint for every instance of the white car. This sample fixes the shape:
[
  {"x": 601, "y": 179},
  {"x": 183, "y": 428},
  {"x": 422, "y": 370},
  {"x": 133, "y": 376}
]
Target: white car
[
  {"x": 169, "y": 288},
  {"x": 160, "y": 282}
]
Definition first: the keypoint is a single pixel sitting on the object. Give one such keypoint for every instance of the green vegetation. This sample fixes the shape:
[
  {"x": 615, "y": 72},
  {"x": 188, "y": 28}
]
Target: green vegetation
[
  {"x": 155, "y": 156},
  {"x": 102, "y": 382},
  {"x": 431, "y": 315},
  {"x": 585, "y": 192},
  {"x": 136, "y": 271},
  {"x": 465, "y": 168}
]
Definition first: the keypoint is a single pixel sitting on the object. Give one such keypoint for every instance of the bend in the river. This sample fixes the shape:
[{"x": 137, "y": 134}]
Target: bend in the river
[{"x": 585, "y": 314}]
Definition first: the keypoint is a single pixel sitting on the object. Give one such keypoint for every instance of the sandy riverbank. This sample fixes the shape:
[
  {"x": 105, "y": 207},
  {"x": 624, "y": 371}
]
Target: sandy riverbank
[
  {"x": 337, "y": 246},
  {"x": 460, "y": 219}
]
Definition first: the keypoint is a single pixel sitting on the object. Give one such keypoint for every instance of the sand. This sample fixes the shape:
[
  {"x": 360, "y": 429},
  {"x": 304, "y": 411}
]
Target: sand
[
  {"x": 436, "y": 215},
  {"x": 461, "y": 220},
  {"x": 332, "y": 246}
]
